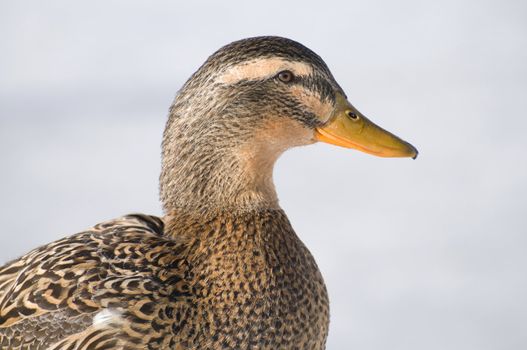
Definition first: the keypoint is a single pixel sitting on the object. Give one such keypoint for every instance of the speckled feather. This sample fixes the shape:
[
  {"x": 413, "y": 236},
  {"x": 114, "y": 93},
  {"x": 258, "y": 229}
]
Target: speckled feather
[{"x": 229, "y": 282}]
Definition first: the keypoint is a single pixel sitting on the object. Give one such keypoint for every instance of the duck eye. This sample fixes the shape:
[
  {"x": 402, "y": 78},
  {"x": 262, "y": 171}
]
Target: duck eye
[
  {"x": 285, "y": 76},
  {"x": 352, "y": 115}
]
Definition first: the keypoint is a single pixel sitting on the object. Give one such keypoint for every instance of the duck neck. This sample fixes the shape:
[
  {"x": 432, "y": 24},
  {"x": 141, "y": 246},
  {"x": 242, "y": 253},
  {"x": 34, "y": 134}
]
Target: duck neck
[{"x": 212, "y": 175}]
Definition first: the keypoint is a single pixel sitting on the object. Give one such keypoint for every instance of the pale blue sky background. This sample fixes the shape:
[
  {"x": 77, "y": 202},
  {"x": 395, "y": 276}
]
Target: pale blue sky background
[{"x": 425, "y": 254}]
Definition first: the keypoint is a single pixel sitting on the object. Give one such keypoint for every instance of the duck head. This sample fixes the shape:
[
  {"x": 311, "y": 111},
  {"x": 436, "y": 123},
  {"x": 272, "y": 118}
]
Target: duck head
[{"x": 249, "y": 102}]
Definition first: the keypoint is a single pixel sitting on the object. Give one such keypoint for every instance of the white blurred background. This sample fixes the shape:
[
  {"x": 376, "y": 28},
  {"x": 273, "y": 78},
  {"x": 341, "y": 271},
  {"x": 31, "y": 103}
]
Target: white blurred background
[{"x": 425, "y": 254}]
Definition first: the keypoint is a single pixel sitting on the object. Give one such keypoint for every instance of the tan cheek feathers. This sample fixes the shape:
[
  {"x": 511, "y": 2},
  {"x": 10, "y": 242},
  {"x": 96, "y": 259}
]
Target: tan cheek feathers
[{"x": 320, "y": 108}]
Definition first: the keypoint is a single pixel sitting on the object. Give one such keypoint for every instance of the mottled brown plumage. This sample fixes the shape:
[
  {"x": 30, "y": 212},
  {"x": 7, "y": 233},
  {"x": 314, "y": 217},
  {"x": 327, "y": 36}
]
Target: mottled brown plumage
[
  {"x": 231, "y": 281},
  {"x": 223, "y": 269}
]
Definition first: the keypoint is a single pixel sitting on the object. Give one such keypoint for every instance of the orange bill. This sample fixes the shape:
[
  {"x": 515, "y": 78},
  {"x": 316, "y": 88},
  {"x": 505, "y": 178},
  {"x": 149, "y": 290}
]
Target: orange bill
[{"x": 348, "y": 128}]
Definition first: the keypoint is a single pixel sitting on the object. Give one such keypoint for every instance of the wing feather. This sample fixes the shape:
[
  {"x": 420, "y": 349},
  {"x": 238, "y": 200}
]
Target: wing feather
[{"x": 50, "y": 296}]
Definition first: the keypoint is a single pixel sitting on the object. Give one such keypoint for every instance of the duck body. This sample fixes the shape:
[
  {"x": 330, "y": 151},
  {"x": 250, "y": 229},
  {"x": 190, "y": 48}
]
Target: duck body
[
  {"x": 241, "y": 281},
  {"x": 223, "y": 268}
]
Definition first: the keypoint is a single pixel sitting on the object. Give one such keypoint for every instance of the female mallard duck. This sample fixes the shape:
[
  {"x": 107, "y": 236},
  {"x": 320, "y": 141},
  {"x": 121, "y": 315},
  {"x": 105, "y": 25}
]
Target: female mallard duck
[{"x": 223, "y": 269}]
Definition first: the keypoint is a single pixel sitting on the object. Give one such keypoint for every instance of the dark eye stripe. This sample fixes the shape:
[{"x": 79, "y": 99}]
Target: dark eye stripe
[{"x": 318, "y": 85}]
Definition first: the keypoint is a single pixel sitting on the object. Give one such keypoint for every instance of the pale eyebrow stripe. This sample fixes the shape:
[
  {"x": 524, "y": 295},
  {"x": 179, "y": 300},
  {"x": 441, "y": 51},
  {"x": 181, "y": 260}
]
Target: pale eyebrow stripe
[{"x": 262, "y": 68}]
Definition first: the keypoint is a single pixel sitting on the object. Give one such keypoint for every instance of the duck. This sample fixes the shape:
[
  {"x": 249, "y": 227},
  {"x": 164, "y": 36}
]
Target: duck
[{"x": 222, "y": 268}]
